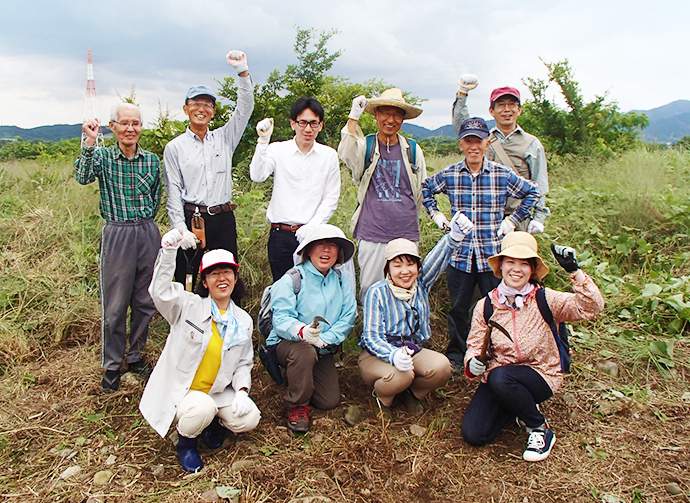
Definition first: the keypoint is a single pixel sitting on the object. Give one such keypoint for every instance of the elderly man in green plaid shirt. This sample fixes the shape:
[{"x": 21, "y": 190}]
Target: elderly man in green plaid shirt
[{"x": 129, "y": 180}]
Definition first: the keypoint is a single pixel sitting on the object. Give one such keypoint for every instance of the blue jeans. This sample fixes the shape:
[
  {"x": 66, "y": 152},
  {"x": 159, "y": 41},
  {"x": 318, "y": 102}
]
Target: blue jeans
[
  {"x": 461, "y": 290},
  {"x": 510, "y": 391}
]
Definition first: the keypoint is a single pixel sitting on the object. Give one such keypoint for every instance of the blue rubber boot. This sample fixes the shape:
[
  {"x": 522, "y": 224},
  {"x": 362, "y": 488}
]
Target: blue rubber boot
[
  {"x": 214, "y": 434},
  {"x": 187, "y": 452}
]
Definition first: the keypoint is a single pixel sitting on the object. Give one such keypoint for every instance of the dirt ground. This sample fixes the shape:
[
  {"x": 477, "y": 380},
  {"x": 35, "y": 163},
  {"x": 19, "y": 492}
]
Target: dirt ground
[{"x": 614, "y": 443}]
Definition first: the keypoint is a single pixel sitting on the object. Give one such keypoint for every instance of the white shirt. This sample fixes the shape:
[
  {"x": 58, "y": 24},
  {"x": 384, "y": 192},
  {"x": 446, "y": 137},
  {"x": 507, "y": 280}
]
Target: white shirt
[
  {"x": 306, "y": 188},
  {"x": 201, "y": 172}
]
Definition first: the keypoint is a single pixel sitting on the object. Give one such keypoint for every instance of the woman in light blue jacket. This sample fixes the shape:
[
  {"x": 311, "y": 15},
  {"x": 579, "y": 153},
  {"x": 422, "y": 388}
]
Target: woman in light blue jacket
[{"x": 310, "y": 325}]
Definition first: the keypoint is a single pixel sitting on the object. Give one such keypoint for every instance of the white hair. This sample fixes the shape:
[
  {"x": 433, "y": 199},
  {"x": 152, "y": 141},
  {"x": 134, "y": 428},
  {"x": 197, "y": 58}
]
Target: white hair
[{"x": 115, "y": 111}]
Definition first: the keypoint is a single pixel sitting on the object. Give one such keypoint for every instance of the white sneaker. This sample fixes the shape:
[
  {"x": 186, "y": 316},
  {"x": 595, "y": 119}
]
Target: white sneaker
[{"x": 539, "y": 444}]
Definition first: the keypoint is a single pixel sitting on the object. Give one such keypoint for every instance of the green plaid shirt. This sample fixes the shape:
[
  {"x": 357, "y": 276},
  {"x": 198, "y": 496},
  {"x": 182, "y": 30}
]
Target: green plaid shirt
[{"x": 130, "y": 188}]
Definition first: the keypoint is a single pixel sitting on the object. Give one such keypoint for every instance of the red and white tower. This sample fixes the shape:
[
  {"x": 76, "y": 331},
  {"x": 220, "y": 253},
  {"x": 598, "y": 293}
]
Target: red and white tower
[{"x": 91, "y": 105}]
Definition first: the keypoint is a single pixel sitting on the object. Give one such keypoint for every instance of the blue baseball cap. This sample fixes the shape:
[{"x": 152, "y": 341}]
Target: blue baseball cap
[
  {"x": 195, "y": 91},
  {"x": 474, "y": 126}
]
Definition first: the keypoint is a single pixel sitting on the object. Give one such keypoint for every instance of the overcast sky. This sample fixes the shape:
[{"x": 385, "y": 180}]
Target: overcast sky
[{"x": 636, "y": 51}]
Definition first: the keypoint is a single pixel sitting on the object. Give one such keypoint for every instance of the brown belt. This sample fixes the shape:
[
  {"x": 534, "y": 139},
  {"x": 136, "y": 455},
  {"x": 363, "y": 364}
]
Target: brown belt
[
  {"x": 285, "y": 227},
  {"x": 211, "y": 210}
]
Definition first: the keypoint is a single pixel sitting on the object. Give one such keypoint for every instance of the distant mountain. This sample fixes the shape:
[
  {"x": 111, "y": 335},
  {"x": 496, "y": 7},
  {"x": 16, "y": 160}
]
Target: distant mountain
[
  {"x": 51, "y": 133},
  {"x": 423, "y": 133}
]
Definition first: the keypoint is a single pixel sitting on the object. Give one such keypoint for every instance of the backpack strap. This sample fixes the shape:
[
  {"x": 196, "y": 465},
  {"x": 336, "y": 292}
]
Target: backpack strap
[
  {"x": 488, "y": 308},
  {"x": 412, "y": 154},
  {"x": 545, "y": 310},
  {"x": 500, "y": 152},
  {"x": 561, "y": 341},
  {"x": 369, "y": 156},
  {"x": 296, "y": 279}
]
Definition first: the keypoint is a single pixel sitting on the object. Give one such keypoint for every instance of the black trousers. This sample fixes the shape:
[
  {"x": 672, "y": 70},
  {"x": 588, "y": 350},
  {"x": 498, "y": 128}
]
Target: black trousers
[
  {"x": 221, "y": 233},
  {"x": 281, "y": 246}
]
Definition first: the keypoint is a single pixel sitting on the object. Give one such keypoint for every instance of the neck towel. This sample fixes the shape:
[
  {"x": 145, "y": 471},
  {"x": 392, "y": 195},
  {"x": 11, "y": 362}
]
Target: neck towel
[
  {"x": 404, "y": 294},
  {"x": 504, "y": 291},
  {"x": 229, "y": 327}
]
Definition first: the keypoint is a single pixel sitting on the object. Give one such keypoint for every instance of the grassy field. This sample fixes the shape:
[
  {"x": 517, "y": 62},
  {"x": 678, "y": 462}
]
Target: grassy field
[{"x": 621, "y": 419}]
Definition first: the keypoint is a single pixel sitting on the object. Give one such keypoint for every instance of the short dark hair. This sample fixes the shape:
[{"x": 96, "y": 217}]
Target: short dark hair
[
  {"x": 409, "y": 258},
  {"x": 238, "y": 292},
  {"x": 302, "y": 104},
  {"x": 532, "y": 263}
]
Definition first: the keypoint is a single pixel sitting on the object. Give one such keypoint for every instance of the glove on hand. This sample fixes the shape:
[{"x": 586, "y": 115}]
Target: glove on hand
[
  {"x": 238, "y": 60},
  {"x": 241, "y": 404},
  {"x": 171, "y": 240},
  {"x": 358, "y": 106},
  {"x": 304, "y": 232},
  {"x": 402, "y": 360},
  {"x": 311, "y": 335},
  {"x": 265, "y": 129},
  {"x": 535, "y": 227},
  {"x": 476, "y": 366},
  {"x": 460, "y": 226},
  {"x": 442, "y": 221},
  {"x": 188, "y": 240},
  {"x": 566, "y": 257},
  {"x": 467, "y": 82},
  {"x": 506, "y": 227}
]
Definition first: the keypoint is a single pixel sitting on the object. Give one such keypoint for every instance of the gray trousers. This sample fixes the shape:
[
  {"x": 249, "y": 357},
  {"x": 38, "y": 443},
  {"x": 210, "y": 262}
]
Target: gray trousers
[{"x": 128, "y": 254}]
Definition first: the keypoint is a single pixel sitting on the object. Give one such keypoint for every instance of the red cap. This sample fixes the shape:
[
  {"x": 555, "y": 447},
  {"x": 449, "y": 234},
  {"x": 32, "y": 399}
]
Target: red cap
[
  {"x": 215, "y": 257},
  {"x": 502, "y": 91}
]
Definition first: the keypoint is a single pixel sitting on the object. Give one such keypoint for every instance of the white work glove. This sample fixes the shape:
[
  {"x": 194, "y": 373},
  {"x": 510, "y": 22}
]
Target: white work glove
[
  {"x": 241, "y": 405},
  {"x": 238, "y": 60},
  {"x": 188, "y": 240},
  {"x": 506, "y": 227},
  {"x": 171, "y": 240},
  {"x": 304, "y": 232},
  {"x": 358, "y": 106},
  {"x": 467, "y": 82},
  {"x": 90, "y": 129},
  {"x": 460, "y": 226},
  {"x": 311, "y": 335},
  {"x": 476, "y": 366},
  {"x": 402, "y": 360},
  {"x": 442, "y": 222},
  {"x": 265, "y": 129},
  {"x": 535, "y": 227}
]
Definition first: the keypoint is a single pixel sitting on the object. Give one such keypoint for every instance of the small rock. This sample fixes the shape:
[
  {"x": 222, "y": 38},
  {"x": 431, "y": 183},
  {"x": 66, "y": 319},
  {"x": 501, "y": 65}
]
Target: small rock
[
  {"x": 129, "y": 379},
  {"x": 685, "y": 396},
  {"x": 353, "y": 415},
  {"x": 158, "y": 471},
  {"x": 317, "y": 439},
  {"x": 569, "y": 398},
  {"x": 70, "y": 472},
  {"x": 525, "y": 500},
  {"x": 210, "y": 495},
  {"x": 96, "y": 498},
  {"x": 400, "y": 457},
  {"x": 111, "y": 460},
  {"x": 131, "y": 471},
  {"x": 341, "y": 476},
  {"x": 418, "y": 431},
  {"x": 65, "y": 452},
  {"x": 673, "y": 489},
  {"x": 243, "y": 464},
  {"x": 102, "y": 478},
  {"x": 608, "y": 367}
]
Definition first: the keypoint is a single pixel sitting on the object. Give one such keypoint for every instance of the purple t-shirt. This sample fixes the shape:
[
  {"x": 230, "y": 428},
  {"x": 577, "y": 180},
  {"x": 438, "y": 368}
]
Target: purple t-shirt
[{"x": 388, "y": 210}]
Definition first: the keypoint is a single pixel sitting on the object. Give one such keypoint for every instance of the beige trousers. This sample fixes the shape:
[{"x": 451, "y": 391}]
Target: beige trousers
[{"x": 197, "y": 409}]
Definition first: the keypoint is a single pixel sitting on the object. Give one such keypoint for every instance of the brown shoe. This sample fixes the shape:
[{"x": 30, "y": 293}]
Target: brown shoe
[
  {"x": 382, "y": 411},
  {"x": 412, "y": 404}
]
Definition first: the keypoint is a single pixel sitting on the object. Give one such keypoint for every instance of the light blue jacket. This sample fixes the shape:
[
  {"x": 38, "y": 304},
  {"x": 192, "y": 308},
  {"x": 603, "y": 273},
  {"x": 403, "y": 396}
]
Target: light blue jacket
[{"x": 330, "y": 296}]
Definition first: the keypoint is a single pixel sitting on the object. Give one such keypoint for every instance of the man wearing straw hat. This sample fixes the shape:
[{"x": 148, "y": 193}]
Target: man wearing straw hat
[{"x": 388, "y": 171}]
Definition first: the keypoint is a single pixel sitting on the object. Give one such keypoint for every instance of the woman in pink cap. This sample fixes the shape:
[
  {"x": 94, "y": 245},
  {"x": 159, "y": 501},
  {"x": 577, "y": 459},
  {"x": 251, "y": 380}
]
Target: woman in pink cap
[
  {"x": 518, "y": 358},
  {"x": 203, "y": 376}
]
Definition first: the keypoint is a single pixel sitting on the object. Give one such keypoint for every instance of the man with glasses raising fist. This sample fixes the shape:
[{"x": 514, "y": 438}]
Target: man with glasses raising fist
[
  {"x": 198, "y": 173},
  {"x": 306, "y": 181}
]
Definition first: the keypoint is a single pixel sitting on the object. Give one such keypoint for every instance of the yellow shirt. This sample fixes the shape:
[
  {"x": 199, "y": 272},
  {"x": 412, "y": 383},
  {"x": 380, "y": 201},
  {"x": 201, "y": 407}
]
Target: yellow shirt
[{"x": 210, "y": 364}]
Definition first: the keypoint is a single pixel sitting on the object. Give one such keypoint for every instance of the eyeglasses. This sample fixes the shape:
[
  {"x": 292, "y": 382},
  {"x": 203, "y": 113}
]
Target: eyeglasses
[
  {"x": 221, "y": 272},
  {"x": 312, "y": 124},
  {"x": 500, "y": 105},
  {"x": 203, "y": 104},
  {"x": 397, "y": 114},
  {"x": 125, "y": 124}
]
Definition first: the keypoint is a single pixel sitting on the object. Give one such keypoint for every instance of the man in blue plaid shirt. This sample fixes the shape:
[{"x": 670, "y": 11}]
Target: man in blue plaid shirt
[{"x": 478, "y": 188}]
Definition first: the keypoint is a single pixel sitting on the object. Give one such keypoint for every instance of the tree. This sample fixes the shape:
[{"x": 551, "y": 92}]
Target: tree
[{"x": 597, "y": 126}]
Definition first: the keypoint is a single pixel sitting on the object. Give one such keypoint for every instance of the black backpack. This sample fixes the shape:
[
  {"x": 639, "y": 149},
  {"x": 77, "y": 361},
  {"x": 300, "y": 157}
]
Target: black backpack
[{"x": 560, "y": 333}]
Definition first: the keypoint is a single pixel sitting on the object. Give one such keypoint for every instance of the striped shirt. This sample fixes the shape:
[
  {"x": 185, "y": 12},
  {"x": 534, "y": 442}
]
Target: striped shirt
[
  {"x": 482, "y": 198},
  {"x": 130, "y": 188},
  {"x": 386, "y": 316}
]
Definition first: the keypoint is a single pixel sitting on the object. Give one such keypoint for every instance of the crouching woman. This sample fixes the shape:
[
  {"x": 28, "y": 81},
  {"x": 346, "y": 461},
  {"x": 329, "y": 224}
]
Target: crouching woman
[
  {"x": 396, "y": 325},
  {"x": 202, "y": 377},
  {"x": 524, "y": 368}
]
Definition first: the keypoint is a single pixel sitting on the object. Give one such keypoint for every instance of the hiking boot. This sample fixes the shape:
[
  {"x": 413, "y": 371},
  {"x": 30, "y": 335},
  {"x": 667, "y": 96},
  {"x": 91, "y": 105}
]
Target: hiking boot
[
  {"x": 214, "y": 434},
  {"x": 458, "y": 368},
  {"x": 299, "y": 419},
  {"x": 188, "y": 454},
  {"x": 539, "y": 444},
  {"x": 382, "y": 411},
  {"x": 111, "y": 381},
  {"x": 141, "y": 368},
  {"x": 413, "y": 405}
]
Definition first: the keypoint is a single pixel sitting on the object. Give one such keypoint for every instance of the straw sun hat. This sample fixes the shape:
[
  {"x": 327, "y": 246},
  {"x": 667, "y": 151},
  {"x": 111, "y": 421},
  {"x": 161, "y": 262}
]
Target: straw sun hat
[
  {"x": 520, "y": 245},
  {"x": 330, "y": 233},
  {"x": 393, "y": 97}
]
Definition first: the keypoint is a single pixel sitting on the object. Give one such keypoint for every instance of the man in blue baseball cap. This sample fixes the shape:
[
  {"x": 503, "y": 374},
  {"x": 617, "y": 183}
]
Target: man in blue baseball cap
[
  {"x": 479, "y": 189},
  {"x": 198, "y": 173}
]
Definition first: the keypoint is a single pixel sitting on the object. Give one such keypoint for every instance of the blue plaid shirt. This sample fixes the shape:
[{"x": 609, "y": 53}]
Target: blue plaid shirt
[{"x": 482, "y": 198}]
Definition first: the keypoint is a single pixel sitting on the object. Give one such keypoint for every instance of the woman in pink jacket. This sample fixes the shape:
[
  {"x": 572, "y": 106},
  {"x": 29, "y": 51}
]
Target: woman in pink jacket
[{"x": 522, "y": 366}]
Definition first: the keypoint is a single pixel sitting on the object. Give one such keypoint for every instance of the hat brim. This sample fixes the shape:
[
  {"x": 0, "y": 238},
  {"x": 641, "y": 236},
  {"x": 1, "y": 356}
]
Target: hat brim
[
  {"x": 519, "y": 252},
  {"x": 410, "y": 111},
  {"x": 344, "y": 245},
  {"x": 483, "y": 135}
]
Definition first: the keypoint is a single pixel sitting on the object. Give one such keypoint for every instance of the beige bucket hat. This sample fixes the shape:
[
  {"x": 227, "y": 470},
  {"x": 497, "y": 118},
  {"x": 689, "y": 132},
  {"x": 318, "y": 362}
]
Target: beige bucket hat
[
  {"x": 393, "y": 97},
  {"x": 401, "y": 246},
  {"x": 331, "y": 233},
  {"x": 521, "y": 245}
]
